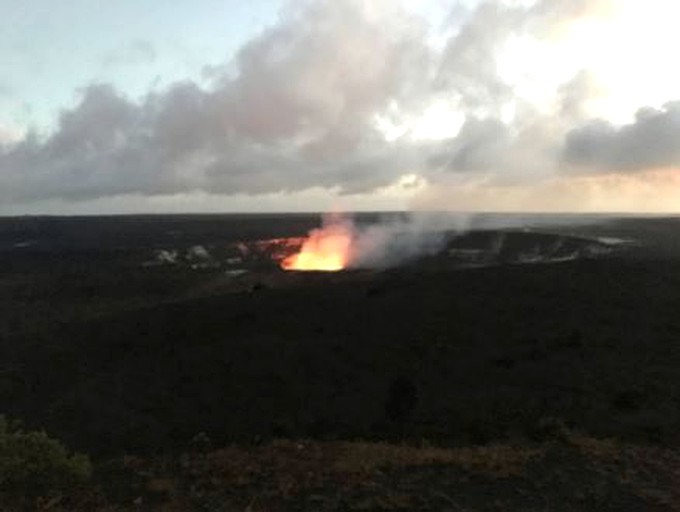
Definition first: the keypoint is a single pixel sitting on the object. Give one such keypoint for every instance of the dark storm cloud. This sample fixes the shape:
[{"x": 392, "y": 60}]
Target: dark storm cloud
[{"x": 651, "y": 141}]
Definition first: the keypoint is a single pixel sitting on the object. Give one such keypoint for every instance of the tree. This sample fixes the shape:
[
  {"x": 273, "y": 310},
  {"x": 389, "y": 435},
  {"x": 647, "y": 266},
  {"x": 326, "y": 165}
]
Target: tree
[{"x": 33, "y": 465}]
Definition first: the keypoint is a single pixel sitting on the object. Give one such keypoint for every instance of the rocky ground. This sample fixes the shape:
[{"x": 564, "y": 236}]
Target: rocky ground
[
  {"x": 566, "y": 473},
  {"x": 514, "y": 384}
]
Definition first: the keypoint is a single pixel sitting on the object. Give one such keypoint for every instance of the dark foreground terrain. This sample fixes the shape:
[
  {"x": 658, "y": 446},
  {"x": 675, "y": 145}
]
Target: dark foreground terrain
[{"x": 484, "y": 377}]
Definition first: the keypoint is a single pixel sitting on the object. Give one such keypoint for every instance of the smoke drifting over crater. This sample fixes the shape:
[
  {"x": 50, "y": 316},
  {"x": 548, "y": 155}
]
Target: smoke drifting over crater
[{"x": 340, "y": 243}]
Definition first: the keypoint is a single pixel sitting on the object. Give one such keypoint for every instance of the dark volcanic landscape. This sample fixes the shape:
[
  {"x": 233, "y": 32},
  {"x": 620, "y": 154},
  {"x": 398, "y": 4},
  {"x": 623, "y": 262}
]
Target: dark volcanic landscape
[{"x": 141, "y": 334}]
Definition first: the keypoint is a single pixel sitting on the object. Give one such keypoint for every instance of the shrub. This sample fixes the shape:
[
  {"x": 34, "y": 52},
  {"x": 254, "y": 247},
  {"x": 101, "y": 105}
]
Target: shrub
[{"x": 32, "y": 464}]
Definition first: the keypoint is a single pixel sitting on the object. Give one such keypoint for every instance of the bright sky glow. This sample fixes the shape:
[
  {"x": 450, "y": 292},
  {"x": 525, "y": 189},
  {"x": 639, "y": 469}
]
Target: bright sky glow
[{"x": 627, "y": 51}]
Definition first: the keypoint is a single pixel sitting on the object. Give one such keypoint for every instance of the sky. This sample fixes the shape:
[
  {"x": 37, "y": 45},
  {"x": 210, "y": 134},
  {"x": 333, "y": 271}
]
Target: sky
[{"x": 308, "y": 105}]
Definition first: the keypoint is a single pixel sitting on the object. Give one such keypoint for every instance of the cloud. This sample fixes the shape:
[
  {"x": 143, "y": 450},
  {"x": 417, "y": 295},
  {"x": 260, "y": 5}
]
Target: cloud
[
  {"x": 297, "y": 108},
  {"x": 297, "y": 112},
  {"x": 9, "y": 135},
  {"x": 505, "y": 133},
  {"x": 651, "y": 141}
]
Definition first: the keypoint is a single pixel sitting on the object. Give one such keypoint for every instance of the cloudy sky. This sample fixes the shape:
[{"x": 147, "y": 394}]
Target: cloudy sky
[{"x": 300, "y": 105}]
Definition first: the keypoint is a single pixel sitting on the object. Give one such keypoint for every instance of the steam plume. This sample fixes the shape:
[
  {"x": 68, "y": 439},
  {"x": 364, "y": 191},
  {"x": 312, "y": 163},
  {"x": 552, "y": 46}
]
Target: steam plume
[{"x": 395, "y": 239}]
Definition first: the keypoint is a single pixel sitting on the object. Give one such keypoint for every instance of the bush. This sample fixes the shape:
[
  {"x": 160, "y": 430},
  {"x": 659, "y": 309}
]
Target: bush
[{"x": 32, "y": 464}]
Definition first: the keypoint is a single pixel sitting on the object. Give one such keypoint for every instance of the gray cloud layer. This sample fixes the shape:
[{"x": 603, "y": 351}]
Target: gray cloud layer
[
  {"x": 297, "y": 106},
  {"x": 295, "y": 110},
  {"x": 652, "y": 141}
]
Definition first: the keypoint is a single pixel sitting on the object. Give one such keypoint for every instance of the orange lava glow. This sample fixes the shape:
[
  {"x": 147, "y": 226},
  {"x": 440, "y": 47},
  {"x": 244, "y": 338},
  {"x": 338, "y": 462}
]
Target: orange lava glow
[{"x": 326, "y": 250}]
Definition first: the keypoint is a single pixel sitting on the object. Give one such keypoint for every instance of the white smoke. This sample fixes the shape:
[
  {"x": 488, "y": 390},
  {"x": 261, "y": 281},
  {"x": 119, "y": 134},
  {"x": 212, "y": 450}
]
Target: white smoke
[
  {"x": 395, "y": 239},
  {"x": 391, "y": 240}
]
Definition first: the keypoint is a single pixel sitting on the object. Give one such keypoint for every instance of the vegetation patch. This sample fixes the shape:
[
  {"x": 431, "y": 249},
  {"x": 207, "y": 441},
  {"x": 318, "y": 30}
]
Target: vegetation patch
[{"x": 34, "y": 466}]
